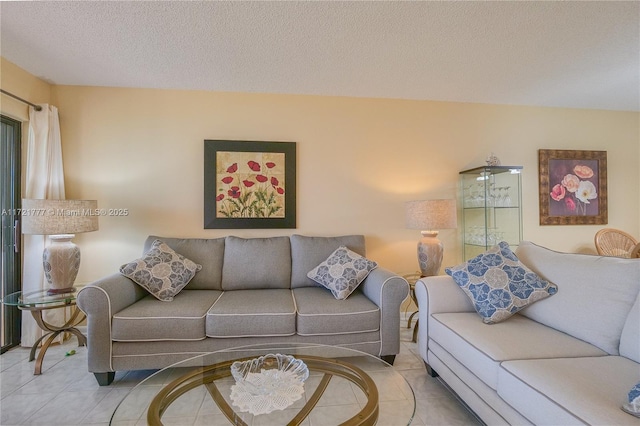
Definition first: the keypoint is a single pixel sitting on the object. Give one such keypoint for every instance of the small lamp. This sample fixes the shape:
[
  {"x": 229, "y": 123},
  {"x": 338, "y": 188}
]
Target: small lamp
[
  {"x": 429, "y": 215},
  {"x": 59, "y": 219}
]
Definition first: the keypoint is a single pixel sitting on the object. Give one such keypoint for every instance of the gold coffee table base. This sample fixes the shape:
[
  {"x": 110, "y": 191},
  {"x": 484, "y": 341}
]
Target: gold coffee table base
[{"x": 208, "y": 376}]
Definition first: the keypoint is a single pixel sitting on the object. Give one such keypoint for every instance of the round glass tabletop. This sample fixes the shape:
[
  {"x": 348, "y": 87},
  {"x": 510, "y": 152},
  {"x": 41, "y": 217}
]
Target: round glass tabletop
[
  {"x": 38, "y": 297},
  {"x": 344, "y": 387}
]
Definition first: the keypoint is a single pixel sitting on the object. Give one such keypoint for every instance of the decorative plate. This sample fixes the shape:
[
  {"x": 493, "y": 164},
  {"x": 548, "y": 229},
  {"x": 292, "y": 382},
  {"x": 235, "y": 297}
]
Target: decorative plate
[{"x": 268, "y": 383}]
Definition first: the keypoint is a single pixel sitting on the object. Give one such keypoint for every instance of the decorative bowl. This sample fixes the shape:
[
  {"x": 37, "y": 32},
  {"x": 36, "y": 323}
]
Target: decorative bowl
[{"x": 270, "y": 382}]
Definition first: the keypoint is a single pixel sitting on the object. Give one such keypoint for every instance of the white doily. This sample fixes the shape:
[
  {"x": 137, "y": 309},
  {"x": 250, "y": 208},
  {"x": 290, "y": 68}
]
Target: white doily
[{"x": 267, "y": 391}]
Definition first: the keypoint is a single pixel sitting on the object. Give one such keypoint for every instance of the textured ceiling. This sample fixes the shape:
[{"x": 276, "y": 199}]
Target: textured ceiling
[{"x": 566, "y": 54}]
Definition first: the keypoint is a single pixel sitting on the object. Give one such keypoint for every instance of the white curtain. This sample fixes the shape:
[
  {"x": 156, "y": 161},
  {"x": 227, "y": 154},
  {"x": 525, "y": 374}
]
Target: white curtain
[{"x": 44, "y": 180}]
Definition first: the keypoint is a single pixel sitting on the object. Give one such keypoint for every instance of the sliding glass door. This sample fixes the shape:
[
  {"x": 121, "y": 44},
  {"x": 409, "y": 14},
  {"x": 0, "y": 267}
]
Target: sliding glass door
[{"x": 10, "y": 235}]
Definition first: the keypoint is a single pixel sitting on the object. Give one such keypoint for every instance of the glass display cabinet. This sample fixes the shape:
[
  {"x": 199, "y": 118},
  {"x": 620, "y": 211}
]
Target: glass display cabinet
[{"x": 491, "y": 202}]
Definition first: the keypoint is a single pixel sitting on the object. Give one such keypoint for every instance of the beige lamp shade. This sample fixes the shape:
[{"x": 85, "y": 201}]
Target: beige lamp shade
[
  {"x": 55, "y": 217},
  {"x": 429, "y": 216},
  {"x": 59, "y": 219}
]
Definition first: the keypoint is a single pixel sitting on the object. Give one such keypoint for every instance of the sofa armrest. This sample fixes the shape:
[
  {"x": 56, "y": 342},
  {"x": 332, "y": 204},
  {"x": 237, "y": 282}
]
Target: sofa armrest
[
  {"x": 99, "y": 301},
  {"x": 387, "y": 290},
  {"x": 436, "y": 295}
]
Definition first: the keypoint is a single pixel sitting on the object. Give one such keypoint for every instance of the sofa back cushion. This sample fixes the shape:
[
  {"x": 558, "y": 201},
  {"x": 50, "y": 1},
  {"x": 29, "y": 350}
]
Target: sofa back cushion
[
  {"x": 630, "y": 339},
  {"x": 256, "y": 263},
  {"x": 309, "y": 252},
  {"x": 595, "y": 293},
  {"x": 206, "y": 252}
]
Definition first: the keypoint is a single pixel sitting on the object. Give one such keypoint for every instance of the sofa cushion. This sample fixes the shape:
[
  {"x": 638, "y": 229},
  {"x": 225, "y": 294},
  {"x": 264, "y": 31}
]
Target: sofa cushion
[
  {"x": 244, "y": 313},
  {"x": 256, "y": 263},
  {"x": 474, "y": 392},
  {"x": 570, "y": 390},
  {"x": 342, "y": 272},
  {"x": 206, "y": 252},
  {"x": 595, "y": 297},
  {"x": 308, "y": 252},
  {"x": 152, "y": 320},
  {"x": 319, "y": 313},
  {"x": 499, "y": 284},
  {"x": 630, "y": 337},
  {"x": 161, "y": 271},
  {"x": 482, "y": 347}
]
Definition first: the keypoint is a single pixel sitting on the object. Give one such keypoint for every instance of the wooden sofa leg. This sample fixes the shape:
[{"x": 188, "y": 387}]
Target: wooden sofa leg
[
  {"x": 105, "y": 379},
  {"x": 431, "y": 371},
  {"x": 388, "y": 358}
]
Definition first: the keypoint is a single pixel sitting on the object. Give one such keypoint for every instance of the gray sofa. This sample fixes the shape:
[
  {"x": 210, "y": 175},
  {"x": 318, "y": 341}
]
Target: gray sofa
[
  {"x": 249, "y": 291},
  {"x": 569, "y": 359}
]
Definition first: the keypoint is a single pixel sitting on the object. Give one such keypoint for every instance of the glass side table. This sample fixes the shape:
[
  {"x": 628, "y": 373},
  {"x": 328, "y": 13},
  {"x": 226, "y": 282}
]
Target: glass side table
[
  {"x": 412, "y": 279},
  {"x": 39, "y": 301}
]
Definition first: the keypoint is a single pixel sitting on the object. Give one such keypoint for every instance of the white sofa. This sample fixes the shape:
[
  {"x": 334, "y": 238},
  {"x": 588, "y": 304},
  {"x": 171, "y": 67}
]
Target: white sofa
[{"x": 569, "y": 359}]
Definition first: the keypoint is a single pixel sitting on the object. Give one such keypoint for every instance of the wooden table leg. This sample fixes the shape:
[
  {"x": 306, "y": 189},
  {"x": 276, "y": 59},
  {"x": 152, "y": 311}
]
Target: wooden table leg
[
  {"x": 52, "y": 332},
  {"x": 415, "y": 300},
  {"x": 38, "y": 369}
]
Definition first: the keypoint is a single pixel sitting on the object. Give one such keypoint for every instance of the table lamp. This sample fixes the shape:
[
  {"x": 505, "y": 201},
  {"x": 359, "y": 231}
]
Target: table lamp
[
  {"x": 59, "y": 219},
  {"x": 428, "y": 216}
]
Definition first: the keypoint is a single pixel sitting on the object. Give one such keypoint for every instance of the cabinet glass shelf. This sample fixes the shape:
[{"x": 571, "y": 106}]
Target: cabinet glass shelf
[{"x": 491, "y": 200}]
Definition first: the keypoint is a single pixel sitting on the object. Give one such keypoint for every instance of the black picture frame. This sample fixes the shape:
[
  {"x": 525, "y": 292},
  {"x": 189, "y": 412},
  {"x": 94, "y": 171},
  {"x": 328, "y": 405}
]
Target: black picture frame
[{"x": 249, "y": 184}]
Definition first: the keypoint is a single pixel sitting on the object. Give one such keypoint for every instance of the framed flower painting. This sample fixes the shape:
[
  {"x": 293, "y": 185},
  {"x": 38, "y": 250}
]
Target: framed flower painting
[
  {"x": 249, "y": 184},
  {"x": 573, "y": 187}
]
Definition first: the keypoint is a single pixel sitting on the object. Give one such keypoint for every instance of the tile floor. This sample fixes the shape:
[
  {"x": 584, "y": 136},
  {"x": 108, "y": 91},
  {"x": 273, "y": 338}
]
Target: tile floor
[{"x": 66, "y": 394}]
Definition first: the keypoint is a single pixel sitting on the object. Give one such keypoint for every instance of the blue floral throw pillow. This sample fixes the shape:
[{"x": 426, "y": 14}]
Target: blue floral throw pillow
[
  {"x": 498, "y": 284},
  {"x": 633, "y": 405},
  {"x": 342, "y": 272}
]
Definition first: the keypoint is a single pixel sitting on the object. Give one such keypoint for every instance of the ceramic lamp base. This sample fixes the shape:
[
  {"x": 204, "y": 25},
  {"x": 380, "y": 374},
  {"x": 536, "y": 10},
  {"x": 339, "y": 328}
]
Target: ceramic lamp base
[
  {"x": 430, "y": 251},
  {"x": 61, "y": 261}
]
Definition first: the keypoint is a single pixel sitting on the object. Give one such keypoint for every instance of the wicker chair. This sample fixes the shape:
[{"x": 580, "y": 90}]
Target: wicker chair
[{"x": 613, "y": 242}]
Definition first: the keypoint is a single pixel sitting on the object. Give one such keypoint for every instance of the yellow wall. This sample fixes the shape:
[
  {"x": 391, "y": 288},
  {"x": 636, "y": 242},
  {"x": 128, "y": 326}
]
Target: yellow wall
[
  {"x": 22, "y": 84},
  {"x": 358, "y": 160}
]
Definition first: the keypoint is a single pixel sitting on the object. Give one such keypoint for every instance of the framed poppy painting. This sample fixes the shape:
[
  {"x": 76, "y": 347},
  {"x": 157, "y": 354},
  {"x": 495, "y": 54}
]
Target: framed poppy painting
[
  {"x": 249, "y": 184},
  {"x": 573, "y": 187}
]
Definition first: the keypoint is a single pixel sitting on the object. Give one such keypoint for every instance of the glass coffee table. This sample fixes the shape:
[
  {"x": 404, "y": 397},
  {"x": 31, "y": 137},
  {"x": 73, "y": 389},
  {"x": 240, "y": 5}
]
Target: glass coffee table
[{"x": 344, "y": 387}]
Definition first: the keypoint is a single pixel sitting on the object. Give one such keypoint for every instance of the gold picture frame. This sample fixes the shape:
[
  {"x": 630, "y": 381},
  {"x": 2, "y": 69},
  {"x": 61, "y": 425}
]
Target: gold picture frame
[{"x": 572, "y": 187}]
